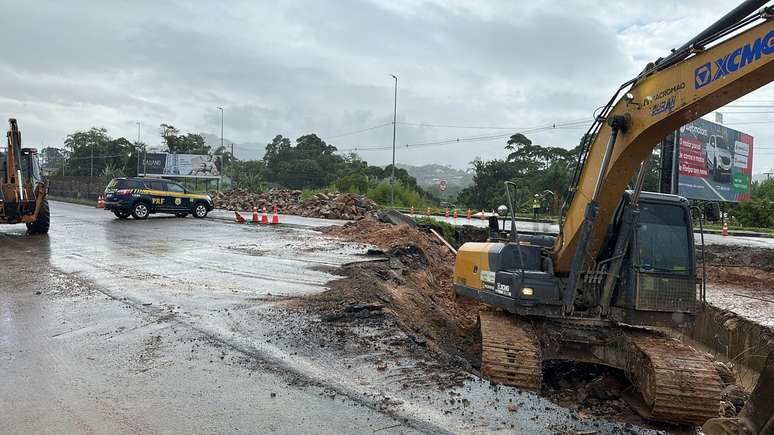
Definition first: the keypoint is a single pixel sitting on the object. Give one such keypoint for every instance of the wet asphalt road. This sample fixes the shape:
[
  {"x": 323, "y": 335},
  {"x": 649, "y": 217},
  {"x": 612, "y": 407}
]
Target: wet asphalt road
[{"x": 177, "y": 326}]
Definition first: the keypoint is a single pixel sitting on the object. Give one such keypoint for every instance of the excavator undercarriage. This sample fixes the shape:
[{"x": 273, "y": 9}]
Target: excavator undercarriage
[{"x": 676, "y": 383}]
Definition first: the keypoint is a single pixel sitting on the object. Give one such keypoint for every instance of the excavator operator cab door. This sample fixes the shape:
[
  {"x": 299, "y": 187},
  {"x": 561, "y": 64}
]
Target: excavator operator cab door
[{"x": 660, "y": 276}]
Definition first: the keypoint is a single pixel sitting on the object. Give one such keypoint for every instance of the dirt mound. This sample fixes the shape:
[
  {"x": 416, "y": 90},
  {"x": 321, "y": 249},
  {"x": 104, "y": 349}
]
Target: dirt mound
[
  {"x": 413, "y": 285},
  {"x": 330, "y": 205},
  {"x": 740, "y": 256}
]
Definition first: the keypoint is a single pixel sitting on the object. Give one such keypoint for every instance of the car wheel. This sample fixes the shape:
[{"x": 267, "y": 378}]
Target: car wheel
[
  {"x": 200, "y": 210},
  {"x": 140, "y": 210},
  {"x": 121, "y": 214},
  {"x": 181, "y": 215}
]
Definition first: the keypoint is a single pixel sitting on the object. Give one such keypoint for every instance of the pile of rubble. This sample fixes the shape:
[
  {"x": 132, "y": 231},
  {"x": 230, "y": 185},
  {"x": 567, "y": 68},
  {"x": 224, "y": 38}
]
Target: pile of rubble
[{"x": 330, "y": 205}]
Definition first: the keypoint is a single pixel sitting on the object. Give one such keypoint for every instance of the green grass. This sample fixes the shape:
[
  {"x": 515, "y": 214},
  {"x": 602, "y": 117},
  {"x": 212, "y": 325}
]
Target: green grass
[
  {"x": 448, "y": 231},
  {"x": 718, "y": 226},
  {"x": 403, "y": 197}
]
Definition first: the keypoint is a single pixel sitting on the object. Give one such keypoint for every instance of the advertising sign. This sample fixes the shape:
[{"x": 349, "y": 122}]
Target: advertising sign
[
  {"x": 182, "y": 165},
  {"x": 715, "y": 162}
]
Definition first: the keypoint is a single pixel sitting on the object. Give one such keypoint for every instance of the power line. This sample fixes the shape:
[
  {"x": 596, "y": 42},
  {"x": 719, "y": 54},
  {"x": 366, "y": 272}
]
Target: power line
[
  {"x": 481, "y": 127},
  {"x": 360, "y": 131},
  {"x": 456, "y": 140}
]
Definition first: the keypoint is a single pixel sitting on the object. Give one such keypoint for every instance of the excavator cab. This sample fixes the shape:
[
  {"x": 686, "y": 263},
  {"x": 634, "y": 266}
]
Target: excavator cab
[
  {"x": 656, "y": 283},
  {"x": 648, "y": 258},
  {"x": 23, "y": 189}
]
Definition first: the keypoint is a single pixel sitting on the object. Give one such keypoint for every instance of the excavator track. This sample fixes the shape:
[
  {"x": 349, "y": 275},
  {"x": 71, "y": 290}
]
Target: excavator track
[
  {"x": 510, "y": 351},
  {"x": 677, "y": 384}
]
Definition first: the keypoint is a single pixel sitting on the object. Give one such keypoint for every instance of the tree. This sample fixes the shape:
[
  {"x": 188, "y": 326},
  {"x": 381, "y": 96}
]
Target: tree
[
  {"x": 182, "y": 144},
  {"x": 52, "y": 159},
  {"x": 533, "y": 168},
  {"x": 93, "y": 150},
  {"x": 310, "y": 163},
  {"x": 247, "y": 175}
]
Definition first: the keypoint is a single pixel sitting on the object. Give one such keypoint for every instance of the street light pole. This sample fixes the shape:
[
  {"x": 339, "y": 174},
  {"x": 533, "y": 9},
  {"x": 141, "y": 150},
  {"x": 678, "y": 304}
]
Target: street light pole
[
  {"x": 221, "y": 126},
  {"x": 394, "y": 122},
  {"x": 138, "y": 148}
]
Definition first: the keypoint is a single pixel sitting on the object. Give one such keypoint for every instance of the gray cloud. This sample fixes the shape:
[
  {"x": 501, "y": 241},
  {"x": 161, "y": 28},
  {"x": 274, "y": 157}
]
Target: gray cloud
[{"x": 295, "y": 67}]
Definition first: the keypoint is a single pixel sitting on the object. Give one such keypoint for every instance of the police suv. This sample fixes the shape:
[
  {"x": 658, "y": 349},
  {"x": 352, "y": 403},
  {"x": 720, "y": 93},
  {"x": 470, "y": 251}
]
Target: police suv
[{"x": 140, "y": 197}]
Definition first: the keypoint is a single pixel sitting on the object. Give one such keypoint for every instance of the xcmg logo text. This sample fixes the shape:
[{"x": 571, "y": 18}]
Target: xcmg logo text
[{"x": 734, "y": 61}]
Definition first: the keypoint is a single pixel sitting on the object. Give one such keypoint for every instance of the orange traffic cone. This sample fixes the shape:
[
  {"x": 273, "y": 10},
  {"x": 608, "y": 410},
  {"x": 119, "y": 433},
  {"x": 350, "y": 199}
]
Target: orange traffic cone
[
  {"x": 275, "y": 217},
  {"x": 100, "y": 202},
  {"x": 455, "y": 214},
  {"x": 265, "y": 217},
  {"x": 724, "y": 231},
  {"x": 239, "y": 218},
  {"x": 255, "y": 215},
  {"x": 482, "y": 214},
  {"x": 446, "y": 213}
]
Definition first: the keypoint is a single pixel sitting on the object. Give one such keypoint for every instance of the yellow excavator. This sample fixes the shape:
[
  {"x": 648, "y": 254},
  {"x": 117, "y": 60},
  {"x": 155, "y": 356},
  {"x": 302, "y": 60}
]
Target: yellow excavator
[
  {"x": 624, "y": 261},
  {"x": 23, "y": 190}
]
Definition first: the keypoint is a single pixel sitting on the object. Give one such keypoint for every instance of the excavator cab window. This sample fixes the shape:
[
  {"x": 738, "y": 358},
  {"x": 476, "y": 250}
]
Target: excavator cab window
[{"x": 664, "y": 239}]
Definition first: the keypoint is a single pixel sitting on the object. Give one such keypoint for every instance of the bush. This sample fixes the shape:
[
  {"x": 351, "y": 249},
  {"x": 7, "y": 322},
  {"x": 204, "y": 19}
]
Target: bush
[
  {"x": 404, "y": 197},
  {"x": 355, "y": 183},
  {"x": 756, "y": 213}
]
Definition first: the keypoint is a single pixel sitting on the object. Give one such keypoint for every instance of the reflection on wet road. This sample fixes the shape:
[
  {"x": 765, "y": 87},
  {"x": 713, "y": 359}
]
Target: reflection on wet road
[{"x": 172, "y": 326}]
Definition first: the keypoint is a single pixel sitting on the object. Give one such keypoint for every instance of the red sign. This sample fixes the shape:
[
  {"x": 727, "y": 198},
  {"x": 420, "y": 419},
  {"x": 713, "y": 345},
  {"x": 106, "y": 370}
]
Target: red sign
[{"x": 693, "y": 161}]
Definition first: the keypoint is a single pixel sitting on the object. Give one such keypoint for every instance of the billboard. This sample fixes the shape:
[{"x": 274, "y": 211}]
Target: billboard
[
  {"x": 182, "y": 165},
  {"x": 715, "y": 162}
]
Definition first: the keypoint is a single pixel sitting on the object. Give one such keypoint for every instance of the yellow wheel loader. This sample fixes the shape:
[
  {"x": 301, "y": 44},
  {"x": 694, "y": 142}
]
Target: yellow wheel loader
[
  {"x": 22, "y": 188},
  {"x": 623, "y": 263}
]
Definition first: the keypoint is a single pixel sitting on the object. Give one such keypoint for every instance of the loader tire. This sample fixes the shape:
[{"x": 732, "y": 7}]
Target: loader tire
[{"x": 40, "y": 226}]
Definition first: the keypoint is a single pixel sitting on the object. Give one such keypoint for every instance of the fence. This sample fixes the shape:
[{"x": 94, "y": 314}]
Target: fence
[{"x": 78, "y": 187}]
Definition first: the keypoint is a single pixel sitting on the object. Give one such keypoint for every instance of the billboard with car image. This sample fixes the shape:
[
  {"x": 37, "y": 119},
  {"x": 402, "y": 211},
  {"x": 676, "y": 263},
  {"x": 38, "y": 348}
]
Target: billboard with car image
[{"x": 715, "y": 162}]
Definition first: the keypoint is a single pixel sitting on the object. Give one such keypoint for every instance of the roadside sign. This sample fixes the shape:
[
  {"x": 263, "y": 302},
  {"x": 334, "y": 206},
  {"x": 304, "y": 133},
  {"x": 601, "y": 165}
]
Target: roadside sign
[{"x": 443, "y": 184}]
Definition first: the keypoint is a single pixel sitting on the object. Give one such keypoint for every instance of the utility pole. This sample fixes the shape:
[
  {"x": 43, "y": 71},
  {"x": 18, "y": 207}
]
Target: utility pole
[
  {"x": 91, "y": 165},
  {"x": 221, "y": 126},
  {"x": 394, "y": 122},
  {"x": 138, "y": 148}
]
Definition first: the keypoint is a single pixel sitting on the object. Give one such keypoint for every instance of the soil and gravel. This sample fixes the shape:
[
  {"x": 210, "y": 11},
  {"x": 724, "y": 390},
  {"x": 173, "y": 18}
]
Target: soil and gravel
[
  {"x": 408, "y": 281},
  {"x": 412, "y": 283},
  {"x": 330, "y": 205}
]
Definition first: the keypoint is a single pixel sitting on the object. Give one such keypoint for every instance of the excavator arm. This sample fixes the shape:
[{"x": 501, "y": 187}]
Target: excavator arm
[{"x": 688, "y": 84}]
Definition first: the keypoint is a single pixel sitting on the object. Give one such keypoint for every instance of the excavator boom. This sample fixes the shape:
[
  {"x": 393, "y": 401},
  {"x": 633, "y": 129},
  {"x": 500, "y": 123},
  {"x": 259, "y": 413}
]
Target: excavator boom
[{"x": 664, "y": 97}]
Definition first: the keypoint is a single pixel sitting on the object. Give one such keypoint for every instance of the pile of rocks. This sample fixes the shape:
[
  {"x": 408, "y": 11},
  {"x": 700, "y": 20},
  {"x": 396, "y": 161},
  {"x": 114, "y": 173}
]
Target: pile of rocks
[
  {"x": 241, "y": 200},
  {"x": 337, "y": 206},
  {"x": 322, "y": 205}
]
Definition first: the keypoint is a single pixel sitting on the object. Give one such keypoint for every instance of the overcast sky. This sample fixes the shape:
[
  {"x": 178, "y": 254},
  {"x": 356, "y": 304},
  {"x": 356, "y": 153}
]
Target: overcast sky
[{"x": 293, "y": 67}]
